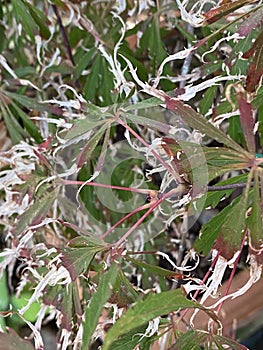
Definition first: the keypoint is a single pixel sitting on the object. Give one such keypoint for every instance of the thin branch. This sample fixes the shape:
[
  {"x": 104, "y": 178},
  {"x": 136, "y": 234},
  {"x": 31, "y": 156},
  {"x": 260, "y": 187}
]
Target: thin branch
[
  {"x": 65, "y": 38},
  {"x": 230, "y": 280},
  {"x": 96, "y": 184},
  {"x": 137, "y": 210},
  {"x": 228, "y": 187},
  {"x": 155, "y": 203},
  {"x": 156, "y": 155}
]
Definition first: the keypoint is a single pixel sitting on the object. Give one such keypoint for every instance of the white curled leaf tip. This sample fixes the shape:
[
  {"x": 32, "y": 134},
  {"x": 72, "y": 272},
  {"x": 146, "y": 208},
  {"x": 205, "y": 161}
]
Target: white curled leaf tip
[
  {"x": 151, "y": 90},
  {"x": 152, "y": 328},
  {"x": 133, "y": 145},
  {"x": 120, "y": 83},
  {"x": 191, "y": 91},
  {"x": 38, "y": 41},
  {"x": 191, "y": 18},
  {"x": 54, "y": 276},
  {"x": 61, "y": 123},
  {"x": 76, "y": 94},
  {"x": 65, "y": 339},
  {"x": 6, "y": 66},
  {"x": 177, "y": 56},
  {"x": 235, "y": 36},
  {"x": 66, "y": 104},
  {"x": 255, "y": 275},
  {"x": 180, "y": 268},
  {"x": 39, "y": 344},
  {"x": 56, "y": 59}
]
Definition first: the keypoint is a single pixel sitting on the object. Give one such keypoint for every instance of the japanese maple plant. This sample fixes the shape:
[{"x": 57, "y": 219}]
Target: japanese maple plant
[{"x": 124, "y": 125}]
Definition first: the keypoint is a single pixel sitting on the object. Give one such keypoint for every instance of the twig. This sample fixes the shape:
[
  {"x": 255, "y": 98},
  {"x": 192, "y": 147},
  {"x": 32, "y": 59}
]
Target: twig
[
  {"x": 230, "y": 280},
  {"x": 65, "y": 39},
  {"x": 228, "y": 187}
]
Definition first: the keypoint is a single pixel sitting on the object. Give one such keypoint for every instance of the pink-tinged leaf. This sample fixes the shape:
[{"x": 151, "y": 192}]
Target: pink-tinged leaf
[
  {"x": 247, "y": 121},
  {"x": 188, "y": 158},
  {"x": 79, "y": 254},
  {"x": 61, "y": 298},
  {"x": 90, "y": 146},
  {"x": 255, "y": 70},
  {"x": 11, "y": 341},
  {"x": 211, "y": 230},
  {"x": 197, "y": 121},
  {"x": 250, "y": 23},
  {"x": 215, "y": 14},
  {"x": 37, "y": 211}
]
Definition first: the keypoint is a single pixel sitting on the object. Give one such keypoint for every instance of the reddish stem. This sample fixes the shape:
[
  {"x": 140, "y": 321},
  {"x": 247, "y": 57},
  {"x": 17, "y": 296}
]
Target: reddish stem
[
  {"x": 180, "y": 189},
  {"x": 124, "y": 218},
  {"x": 138, "y": 137},
  {"x": 232, "y": 273},
  {"x": 96, "y": 184}
]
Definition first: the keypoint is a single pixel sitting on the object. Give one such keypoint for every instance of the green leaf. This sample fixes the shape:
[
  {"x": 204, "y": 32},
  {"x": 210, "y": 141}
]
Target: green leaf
[
  {"x": 83, "y": 62},
  {"x": 14, "y": 128},
  {"x": 37, "y": 211},
  {"x": 232, "y": 231},
  {"x": 258, "y": 99},
  {"x": 106, "y": 87},
  {"x": 148, "y": 103},
  {"x": 128, "y": 341},
  {"x": 214, "y": 161},
  {"x": 4, "y": 292},
  {"x": 153, "y": 306},
  {"x": 92, "y": 81},
  {"x": 151, "y": 41},
  {"x": 191, "y": 340},
  {"x": 224, "y": 231},
  {"x": 19, "y": 303},
  {"x": 27, "y": 102},
  {"x": 82, "y": 127},
  {"x": 123, "y": 292},
  {"x": 196, "y": 121},
  {"x": 79, "y": 254},
  {"x": 29, "y": 125},
  {"x": 254, "y": 220},
  {"x": 210, "y": 230},
  {"x": 141, "y": 69},
  {"x": 208, "y": 99},
  {"x": 214, "y": 197},
  {"x": 154, "y": 269},
  {"x": 91, "y": 146},
  {"x": 97, "y": 303},
  {"x": 40, "y": 19},
  {"x": 22, "y": 15},
  {"x": 4, "y": 300},
  {"x": 221, "y": 160},
  {"x": 155, "y": 122},
  {"x": 196, "y": 340},
  {"x": 235, "y": 131}
]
